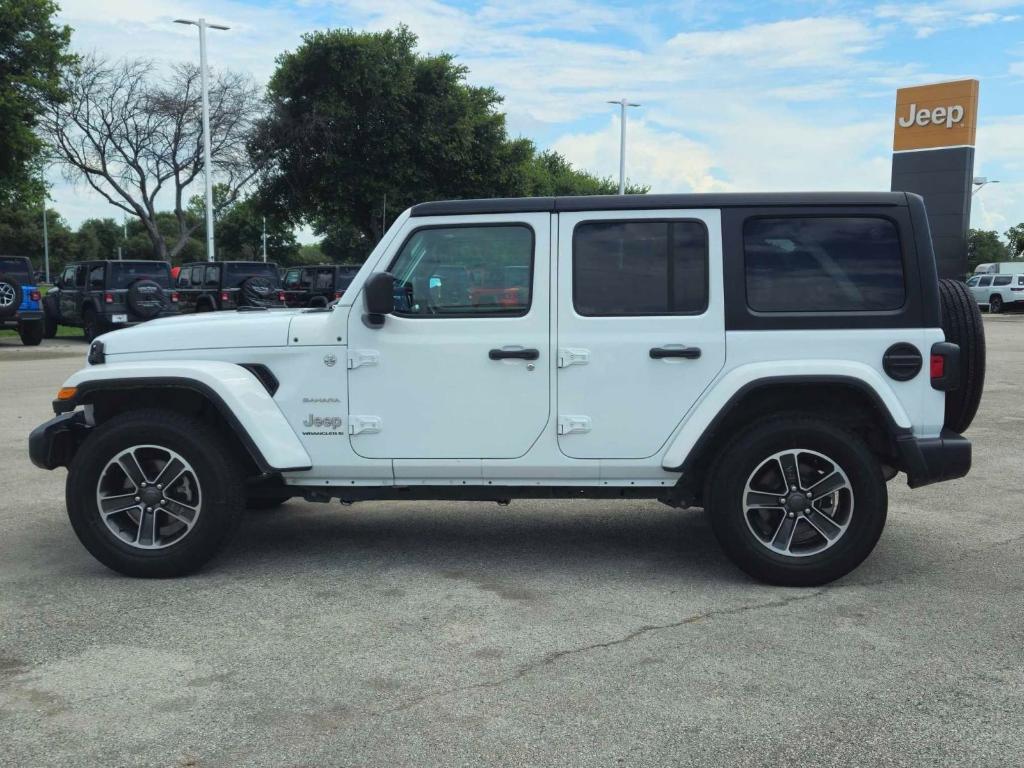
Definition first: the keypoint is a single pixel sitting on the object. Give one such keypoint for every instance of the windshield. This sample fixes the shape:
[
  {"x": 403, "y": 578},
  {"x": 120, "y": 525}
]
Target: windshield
[
  {"x": 124, "y": 273},
  {"x": 15, "y": 266},
  {"x": 236, "y": 273}
]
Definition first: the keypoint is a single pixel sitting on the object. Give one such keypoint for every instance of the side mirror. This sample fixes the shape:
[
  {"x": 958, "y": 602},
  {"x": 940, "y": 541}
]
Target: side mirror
[{"x": 379, "y": 296}]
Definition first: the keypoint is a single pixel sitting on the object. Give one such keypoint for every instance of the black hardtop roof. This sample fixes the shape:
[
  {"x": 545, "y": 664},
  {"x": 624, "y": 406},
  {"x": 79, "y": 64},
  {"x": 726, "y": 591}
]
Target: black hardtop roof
[
  {"x": 117, "y": 261},
  {"x": 230, "y": 261},
  {"x": 648, "y": 202}
]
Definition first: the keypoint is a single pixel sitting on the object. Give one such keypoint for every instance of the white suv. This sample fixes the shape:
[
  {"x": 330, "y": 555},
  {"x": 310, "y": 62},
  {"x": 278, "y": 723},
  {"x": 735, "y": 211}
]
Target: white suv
[
  {"x": 997, "y": 292},
  {"x": 774, "y": 358}
]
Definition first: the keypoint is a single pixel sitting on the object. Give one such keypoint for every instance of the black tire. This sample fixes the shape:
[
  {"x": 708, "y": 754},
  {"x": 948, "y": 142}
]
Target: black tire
[
  {"x": 31, "y": 332},
  {"x": 726, "y": 485},
  {"x": 257, "y": 291},
  {"x": 318, "y": 301},
  {"x": 962, "y": 325},
  {"x": 146, "y": 298},
  {"x": 90, "y": 324},
  {"x": 995, "y": 304},
  {"x": 265, "y": 502},
  {"x": 204, "y": 306},
  {"x": 49, "y": 319},
  {"x": 10, "y": 296},
  {"x": 218, "y": 473}
]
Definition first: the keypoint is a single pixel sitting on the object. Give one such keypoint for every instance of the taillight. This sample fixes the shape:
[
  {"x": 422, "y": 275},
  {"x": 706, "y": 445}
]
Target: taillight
[
  {"x": 108, "y": 297},
  {"x": 338, "y": 295},
  {"x": 944, "y": 366},
  {"x": 938, "y": 366},
  {"x": 34, "y": 295},
  {"x": 223, "y": 295},
  {"x": 280, "y": 296},
  {"x": 174, "y": 296}
]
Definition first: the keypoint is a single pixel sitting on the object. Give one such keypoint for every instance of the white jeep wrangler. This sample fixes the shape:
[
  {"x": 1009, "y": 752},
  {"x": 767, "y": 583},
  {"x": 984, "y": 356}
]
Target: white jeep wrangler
[{"x": 774, "y": 358}]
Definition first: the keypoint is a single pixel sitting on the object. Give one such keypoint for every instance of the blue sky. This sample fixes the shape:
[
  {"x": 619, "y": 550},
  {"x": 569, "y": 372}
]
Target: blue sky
[{"x": 740, "y": 96}]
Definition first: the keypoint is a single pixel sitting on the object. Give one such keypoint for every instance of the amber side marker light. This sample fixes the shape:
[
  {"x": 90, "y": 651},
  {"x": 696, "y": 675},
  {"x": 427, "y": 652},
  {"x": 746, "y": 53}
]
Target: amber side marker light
[{"x": 67, "y": 393}]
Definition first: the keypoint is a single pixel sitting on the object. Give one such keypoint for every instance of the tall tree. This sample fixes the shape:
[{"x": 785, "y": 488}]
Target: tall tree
[
  {"x": 133, "y": 133},
  {"x": 240, "y": 234},
  {"x": 359, "y": 121},
  {"x": 1015, "y": 237},
  {"x": 33, "y": 55}
]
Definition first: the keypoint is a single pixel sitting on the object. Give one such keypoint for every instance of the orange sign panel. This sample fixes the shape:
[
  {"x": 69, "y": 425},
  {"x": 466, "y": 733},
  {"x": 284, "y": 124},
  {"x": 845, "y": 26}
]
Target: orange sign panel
[{"x": 939, "y": 115}]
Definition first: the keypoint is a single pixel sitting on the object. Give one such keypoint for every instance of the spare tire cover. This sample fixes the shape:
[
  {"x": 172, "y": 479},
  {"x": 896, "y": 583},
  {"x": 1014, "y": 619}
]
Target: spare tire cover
[
  {"x": 146, "y": 298},
  {"x": 258, "y": 292},
  {"x": 962, "y": 324},
  {"x": 10, "y": 295}
]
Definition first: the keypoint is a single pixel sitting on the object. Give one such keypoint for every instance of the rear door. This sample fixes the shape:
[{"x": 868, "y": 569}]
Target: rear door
[{"x": 641, "y": 330}]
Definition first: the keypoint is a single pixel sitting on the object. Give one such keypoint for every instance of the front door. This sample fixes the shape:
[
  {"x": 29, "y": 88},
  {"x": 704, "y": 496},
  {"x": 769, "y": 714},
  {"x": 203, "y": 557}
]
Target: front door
[
  {"x": 641, "y": 329},
  {"x": 460, "y": 370}
]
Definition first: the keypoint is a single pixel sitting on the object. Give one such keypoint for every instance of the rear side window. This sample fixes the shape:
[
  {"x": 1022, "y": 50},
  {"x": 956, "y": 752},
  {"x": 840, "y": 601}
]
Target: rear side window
[
  {"x": 623, "y": 268},
  {"x": 823, "y": 264},
  {"x": 1002, "y": 280}
]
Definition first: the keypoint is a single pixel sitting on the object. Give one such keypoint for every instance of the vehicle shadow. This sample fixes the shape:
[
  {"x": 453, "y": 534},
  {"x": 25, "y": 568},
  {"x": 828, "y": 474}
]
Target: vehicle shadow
[{"x": 541, "y": 538}]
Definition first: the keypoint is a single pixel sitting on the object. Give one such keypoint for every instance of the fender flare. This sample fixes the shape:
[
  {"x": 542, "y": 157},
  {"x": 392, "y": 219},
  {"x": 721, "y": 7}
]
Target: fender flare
[
  {"x": 739, "y": 382},
  {"x": 235, "y": 391}
]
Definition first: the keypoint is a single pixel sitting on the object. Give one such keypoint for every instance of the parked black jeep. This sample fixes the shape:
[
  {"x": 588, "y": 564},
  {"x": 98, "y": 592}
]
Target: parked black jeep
[
  {"x": 19, "y": 300},
  {"x": 317, "y": 285},
  {"x": 100, "y": 296},
  {"x": 207, "y": 286}
]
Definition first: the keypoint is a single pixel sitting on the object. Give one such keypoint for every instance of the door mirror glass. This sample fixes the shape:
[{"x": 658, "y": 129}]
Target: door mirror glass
[{"x": 379, "y": 295}]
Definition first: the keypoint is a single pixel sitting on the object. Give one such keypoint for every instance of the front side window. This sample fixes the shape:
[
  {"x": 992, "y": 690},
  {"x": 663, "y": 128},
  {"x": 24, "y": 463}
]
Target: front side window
[
  {"x": 639, "y": 268},
  {"x": 972, "y": 282},
  {"x": 461, "y": 271},
  {"x": 1002, "y": 280},
  {"x": 68, "y": 278},
  {"x": 823, "y": 264}
]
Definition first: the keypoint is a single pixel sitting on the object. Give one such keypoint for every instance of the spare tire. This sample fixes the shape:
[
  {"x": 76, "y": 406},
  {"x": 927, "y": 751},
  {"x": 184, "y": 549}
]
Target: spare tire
[
  {"x": 10, "y": 296},
  {"x": 146, "y": 298},
  {"x": 257, "y": 291},
  {"x": 961, "y": 322}
]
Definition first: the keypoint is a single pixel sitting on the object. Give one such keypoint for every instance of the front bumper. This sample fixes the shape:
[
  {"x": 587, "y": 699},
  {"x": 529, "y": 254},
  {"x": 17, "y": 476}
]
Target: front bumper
[
  {"x": 934, "y": 459},
  {"x": 53, "y": 443}
]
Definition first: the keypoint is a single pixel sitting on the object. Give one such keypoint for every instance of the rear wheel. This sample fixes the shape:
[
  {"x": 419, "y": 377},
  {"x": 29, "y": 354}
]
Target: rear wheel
[
  {"x": 796, "y": 500},
  {"x": 31, "y": 332},
  {"x": 995, "y": 305},
  {"x": 154, "y": 494}
]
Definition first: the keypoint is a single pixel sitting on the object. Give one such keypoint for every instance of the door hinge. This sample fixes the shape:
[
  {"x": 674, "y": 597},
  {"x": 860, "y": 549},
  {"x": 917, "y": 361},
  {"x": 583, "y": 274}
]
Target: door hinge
[
  {"x": 569, "y": 356},
  {"x": 360, "y": 425},
  {"x": 359, "y": 357},
  {"x": 569, "y": 424}
]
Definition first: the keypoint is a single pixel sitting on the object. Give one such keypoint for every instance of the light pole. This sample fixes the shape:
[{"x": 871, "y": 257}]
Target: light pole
[
  {"x": 203, "y": 25},
  {"x": 623, "y": 103},
  {"x": 264, "y": 239},
  {"x": 46, "y": 243},
  {"x": 980, "y": 182}
]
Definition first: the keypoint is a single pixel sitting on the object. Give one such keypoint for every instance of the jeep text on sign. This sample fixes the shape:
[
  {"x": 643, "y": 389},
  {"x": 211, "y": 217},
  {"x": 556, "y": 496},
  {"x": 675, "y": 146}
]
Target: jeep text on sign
[{"x": 935, "y": 116}]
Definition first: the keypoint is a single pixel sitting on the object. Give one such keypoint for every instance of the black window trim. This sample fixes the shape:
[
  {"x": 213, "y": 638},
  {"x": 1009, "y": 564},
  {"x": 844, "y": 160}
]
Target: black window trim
[
  {"x": 671, "y": 265},
  {"x": 474, "y": 225},
  {"x": 832, "y": 312}
]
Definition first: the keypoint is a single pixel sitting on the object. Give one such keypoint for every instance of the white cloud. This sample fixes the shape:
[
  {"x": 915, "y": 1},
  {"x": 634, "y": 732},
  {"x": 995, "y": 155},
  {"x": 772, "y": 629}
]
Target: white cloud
[{"x": 928, "y": 18}]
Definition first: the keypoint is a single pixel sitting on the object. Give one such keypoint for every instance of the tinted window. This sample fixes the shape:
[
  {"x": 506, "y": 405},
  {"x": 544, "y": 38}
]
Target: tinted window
[
  {"x": 1020, "y": 279},
  {"x": 972, "y": 282},
  {"x": 124, "y": 273},
  {"x": 639, "y": 268},
  {"x": 347, "y": 274},
  {"x": 291, "y": 279},
  {"x": 460, "y": 271},
  {"x": 1002, "y": 280},
  {"x": 16, "y": 267},
  {"x": 236, "y": 274},
  {"x": 96, "y": 277},
  {"x": 823, "y": 264},
  {"x": 211, "y": 276},
  {"x": 324, "y": 279},
  {"x": 985, "y": 282}
]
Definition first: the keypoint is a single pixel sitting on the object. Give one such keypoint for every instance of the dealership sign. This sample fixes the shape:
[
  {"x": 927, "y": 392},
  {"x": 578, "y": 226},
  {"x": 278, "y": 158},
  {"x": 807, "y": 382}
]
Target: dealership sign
[{"x": 936, "y": 116}]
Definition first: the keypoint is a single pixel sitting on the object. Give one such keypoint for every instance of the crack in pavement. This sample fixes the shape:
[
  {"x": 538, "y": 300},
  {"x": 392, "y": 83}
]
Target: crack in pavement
[{"x": 556, "y": 656}]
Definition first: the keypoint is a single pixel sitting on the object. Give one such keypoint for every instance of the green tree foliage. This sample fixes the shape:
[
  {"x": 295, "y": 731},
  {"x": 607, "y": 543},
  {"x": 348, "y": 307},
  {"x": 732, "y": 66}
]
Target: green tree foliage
[
  {"x": 357, "y": 118},
  {"x": 1015, "y": 237},
  {"x": 33, "y": 54},
  {"x": 239, "y": 232},
  {"x": 984, "y": 246},
  {"x": 21, "y": 234}
]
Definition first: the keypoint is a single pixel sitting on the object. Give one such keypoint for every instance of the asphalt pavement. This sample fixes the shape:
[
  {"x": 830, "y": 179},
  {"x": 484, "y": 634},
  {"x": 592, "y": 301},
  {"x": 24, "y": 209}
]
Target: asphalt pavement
[{"x": 543, "y": 633}]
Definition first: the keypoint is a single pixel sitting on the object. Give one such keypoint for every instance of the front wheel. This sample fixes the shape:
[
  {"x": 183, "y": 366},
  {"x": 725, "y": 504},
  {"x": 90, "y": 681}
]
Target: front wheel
[
  {"x": 90, "y": 324},
  {"x": 796, "y": 501},
  {"x": 152, "y": 493}
]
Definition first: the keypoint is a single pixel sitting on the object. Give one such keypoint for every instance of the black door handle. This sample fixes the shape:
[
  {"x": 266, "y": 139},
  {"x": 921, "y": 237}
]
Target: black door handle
[
  {"x": 513, "y": 354},
  {"x": 690, "y": 353}
]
